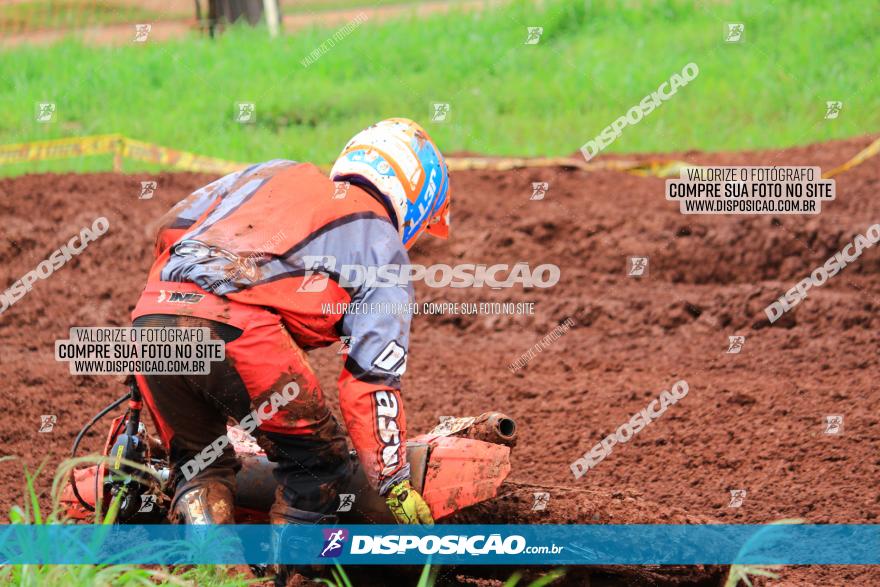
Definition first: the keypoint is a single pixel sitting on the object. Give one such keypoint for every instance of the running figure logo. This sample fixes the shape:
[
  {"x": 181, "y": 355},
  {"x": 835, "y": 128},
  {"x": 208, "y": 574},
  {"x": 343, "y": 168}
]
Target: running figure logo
[
  {"x": 316, "y": 270},
  {"x": 47, "y": 422},
  {"x": 340, "y": 189},
  {"x": 333, "y": 541},
  {"x": 734, "y": 32},
  {"x": 542, "y": 498},
  {"x": 834, "y": 424},
  {"x": 637, "y": 266},
  {"x": 534, "y": 36},
  {"x": 440, "y": 112},
  {"x": 142, "y": 32},
  {"x": 246, "y": 112},
  {"x": 45, "y": 112},
  {"x": 346, "y": 501},
  {"x": 148, "y": 188},
  {"x": 735, "y": 344},
  {"x": 344, "y": 348},
  {"x": 737, "y": 497},
  {"x": 148, "y": 504},
  {"x": 832, "y": 109},
  {"x": 539, "y": 189}
]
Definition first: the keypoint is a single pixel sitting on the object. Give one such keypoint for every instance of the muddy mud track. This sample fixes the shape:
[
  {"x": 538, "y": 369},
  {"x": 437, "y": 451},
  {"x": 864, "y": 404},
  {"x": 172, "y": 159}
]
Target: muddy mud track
[{"x": 752, "y": 420}]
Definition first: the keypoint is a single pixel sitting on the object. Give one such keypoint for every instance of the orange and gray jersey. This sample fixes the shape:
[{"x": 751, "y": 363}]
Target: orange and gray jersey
[{"x": 283, "y": 237}]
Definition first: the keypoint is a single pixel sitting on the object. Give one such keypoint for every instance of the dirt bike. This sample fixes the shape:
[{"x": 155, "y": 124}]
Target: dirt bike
[{"x": 459, "y": 463}]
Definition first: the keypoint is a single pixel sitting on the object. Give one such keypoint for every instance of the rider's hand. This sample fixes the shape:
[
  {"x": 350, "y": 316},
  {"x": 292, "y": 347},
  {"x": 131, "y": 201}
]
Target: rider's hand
[{"x": 407, "y": 506}]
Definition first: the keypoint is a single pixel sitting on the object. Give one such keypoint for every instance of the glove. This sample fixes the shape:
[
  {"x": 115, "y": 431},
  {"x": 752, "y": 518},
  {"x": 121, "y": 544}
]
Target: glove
[{"x": 407, "y": 506}]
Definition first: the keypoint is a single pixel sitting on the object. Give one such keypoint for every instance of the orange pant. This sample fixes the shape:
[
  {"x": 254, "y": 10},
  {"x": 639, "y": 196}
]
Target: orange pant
[{"x": 191, "y": 411}]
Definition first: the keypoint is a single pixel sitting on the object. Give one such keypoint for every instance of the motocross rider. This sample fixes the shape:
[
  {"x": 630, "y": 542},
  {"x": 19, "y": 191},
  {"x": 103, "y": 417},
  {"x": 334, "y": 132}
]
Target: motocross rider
[{"x": 256, "y": 256}]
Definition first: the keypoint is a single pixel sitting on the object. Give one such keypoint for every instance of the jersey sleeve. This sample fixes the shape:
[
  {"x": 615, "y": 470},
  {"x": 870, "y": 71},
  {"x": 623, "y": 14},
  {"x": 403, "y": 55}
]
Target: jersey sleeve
[
  {"x": 369, "y": 385},
  {"x": 376, "y": 329}
]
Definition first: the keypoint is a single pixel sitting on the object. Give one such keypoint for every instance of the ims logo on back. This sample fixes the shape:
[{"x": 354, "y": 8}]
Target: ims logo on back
[{"x": 179, "y": 297}]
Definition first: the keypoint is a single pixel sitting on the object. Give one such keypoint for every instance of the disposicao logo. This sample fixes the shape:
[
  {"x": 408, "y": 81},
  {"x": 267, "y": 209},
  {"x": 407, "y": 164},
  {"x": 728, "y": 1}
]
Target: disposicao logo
[
  {"x": 446, "y": 544},
  {"x": 333, "y": 541}
]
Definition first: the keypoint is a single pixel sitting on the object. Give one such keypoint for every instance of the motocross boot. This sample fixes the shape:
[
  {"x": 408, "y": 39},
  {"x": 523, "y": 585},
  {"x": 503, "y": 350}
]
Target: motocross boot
[{"x": 209, "y": 503}]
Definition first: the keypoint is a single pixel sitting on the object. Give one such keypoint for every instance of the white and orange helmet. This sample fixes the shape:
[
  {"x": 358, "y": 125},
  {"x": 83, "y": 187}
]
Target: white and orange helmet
[{"x": 399, "y": 159}]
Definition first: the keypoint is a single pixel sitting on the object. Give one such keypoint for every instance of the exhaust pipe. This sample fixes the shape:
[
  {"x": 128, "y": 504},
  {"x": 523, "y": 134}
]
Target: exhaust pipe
[{"x": 494, "y": 427}]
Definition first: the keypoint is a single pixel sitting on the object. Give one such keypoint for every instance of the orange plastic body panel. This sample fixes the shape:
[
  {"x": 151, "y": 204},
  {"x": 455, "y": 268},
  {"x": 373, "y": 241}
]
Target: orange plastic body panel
[
  {"x": 89, "y": 490},
  {"x": 85, "y": 483},
  {"x": 462, "y": 472}
]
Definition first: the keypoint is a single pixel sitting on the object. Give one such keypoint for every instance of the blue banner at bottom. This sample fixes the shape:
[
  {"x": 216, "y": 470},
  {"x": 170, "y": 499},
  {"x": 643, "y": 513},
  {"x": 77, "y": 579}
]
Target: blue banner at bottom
[{"x": 721, "y": 544}]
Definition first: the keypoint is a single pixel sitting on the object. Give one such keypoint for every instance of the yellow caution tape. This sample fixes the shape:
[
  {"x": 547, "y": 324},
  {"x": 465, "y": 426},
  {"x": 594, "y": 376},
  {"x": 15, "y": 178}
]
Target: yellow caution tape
[
  {"x": 151, "y": 153},
  {"x": 860, "y": 157},
  {"x": 59, "y": 148},
  {"x": 656, "y": 168},
  {"x": 507, "y": 163},
  {"x": 120, "y": 146}
]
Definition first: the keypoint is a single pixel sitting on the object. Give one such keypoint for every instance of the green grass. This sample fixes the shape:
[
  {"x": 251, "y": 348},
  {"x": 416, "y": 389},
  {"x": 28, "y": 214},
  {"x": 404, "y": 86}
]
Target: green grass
[
  {"x": 33, "y": 511},
  {"x": 595, "y": 60}
]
